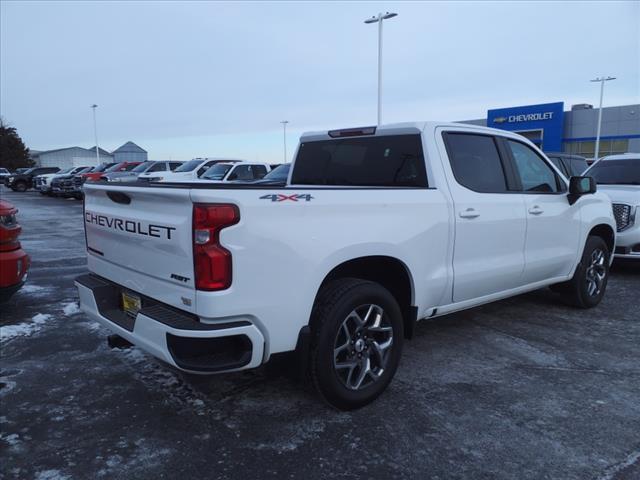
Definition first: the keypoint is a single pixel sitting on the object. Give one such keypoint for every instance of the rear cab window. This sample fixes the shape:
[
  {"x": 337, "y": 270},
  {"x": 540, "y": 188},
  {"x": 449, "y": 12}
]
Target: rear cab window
[
  {"x": 476, "y": 162},
  {"x": 376, "y": 161}
]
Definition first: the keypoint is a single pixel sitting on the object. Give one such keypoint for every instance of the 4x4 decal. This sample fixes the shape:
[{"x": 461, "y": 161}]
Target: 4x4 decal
[{"x": 283, "y": 198}]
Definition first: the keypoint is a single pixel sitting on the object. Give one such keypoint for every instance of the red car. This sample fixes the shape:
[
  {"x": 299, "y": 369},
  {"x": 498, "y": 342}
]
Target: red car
[
  {"x": 97, "y": 174},
  {"x": 14, "y": 262}
]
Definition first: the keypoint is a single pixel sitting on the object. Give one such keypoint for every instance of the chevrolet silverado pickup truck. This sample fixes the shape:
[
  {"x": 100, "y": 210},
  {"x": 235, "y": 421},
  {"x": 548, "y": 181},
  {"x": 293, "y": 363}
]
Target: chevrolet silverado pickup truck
[{"x": 375, "y": 229}]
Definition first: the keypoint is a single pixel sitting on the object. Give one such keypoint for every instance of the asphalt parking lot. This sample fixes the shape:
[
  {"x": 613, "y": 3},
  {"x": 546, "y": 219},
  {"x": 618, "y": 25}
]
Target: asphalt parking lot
[{"x": 526, "y": 388}]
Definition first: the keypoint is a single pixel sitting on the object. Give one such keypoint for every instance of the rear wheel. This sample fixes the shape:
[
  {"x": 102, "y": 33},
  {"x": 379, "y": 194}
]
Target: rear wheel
[
  {"x": 589, "y": 283},
  {"x": 357, "y": 335}
]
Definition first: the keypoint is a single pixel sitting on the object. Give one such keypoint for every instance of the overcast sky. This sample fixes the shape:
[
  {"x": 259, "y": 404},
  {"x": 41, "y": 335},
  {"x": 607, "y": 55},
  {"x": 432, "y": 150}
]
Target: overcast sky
[{"x": 187, "y": 79}]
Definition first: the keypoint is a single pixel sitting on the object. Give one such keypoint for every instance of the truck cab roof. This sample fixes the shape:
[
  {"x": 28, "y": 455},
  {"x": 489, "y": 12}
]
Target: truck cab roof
[{"x": 402, "y": 128}]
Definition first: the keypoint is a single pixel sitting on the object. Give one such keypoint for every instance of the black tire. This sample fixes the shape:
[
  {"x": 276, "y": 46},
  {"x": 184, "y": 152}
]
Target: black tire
[
  {"x": 20, "y": 187},
  {"x": 331, "y": 319},
  {"x": 579, "y": 291}
]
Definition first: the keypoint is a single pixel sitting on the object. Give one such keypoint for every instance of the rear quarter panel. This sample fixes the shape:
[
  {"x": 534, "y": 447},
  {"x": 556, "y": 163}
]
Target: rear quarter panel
[{"x": 283, "y": 250}]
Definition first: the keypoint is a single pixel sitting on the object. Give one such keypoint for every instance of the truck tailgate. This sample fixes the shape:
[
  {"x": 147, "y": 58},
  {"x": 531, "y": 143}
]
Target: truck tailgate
[{"x": 145, "y": 231}]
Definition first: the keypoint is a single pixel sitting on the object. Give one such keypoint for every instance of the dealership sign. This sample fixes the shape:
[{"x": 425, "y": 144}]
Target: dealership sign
[
  {"x": 547, "y": 119},
  {"x": 524, "y": 118}
]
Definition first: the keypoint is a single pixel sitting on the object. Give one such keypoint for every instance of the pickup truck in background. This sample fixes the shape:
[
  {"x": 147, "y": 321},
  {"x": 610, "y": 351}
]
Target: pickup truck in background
[
  {"x": 376, "y": 229},
  {"x": 188, "y": 171},
  {"x": 148, "y": 169},
  {"x": 42, "y": 183},
  {"x": 21, "y": 182},
  {"x": 235, "y": 172}
]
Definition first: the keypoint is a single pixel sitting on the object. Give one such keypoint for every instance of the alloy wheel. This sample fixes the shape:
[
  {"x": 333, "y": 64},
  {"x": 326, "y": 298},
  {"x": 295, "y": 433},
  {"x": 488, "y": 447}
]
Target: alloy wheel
[
  {"x": 362, "y": 347},
  {"x": 596, "y": 272}
]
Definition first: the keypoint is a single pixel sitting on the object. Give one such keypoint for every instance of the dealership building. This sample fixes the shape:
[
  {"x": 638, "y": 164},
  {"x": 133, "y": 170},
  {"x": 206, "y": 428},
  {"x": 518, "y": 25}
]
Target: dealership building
[
  {"x": 79, "y": 156},
  {"x": 573, "y": 131}
]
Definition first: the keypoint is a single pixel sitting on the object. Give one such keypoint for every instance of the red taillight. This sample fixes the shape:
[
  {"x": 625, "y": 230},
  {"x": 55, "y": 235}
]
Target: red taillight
[{"x": 211, "y": 261}]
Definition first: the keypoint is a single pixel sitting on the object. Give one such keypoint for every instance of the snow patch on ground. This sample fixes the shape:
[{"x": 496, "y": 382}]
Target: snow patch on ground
[
  {"x": 6, "y": 386},
  {"x": 144, "y": 455},
  {"x": 8, "y": 332},
  {"x": 94, "y": 327},
  {"x": 71, "y": 308},
  {"x": 30, "y": 288},
  {"x": 51, "y": 475},
  {"x": 13, "y": 439},
  {"x": 34, "y": 291}
]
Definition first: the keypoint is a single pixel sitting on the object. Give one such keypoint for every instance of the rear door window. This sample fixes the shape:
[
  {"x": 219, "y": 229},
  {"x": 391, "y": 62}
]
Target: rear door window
[
  {"x": 381, "y": 161},
  {"x": 578, "y": 166},
  {"x": 242, "y": 172},
  {"x": 259, "y": 171},
  {"x": 158, "y": 167},
  {"x": 476, "y": 163}
]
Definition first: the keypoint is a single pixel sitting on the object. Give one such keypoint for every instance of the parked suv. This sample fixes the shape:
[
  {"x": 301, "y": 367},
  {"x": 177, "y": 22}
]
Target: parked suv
[
  {"x": 23, "y": 181},
  {"x": 619, "y": 177},
  {"x": 377, "y": 228},
  {"x": 569, "y": 165},
  {"x": 3, "y": 174}
]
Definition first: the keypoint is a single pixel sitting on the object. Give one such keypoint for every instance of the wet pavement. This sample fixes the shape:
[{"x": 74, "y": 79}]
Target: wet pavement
[{"x": 526, "y": 388}]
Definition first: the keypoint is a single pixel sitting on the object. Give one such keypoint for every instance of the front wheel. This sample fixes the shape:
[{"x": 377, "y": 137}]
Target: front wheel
[
  {"x": 357, "y": 335},
  {"x": 20, "y": 187},
  {"x": 589, "y": 283}
]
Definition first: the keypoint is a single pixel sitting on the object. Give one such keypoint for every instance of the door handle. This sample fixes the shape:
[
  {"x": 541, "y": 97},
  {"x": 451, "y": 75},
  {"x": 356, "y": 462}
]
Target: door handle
[
  {"x": 535, "y": 210},
  {"x": 469, "y": 213}
]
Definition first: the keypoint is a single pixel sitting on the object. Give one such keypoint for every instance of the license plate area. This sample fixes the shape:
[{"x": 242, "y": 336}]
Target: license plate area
[{"x": 131, "y": 303}]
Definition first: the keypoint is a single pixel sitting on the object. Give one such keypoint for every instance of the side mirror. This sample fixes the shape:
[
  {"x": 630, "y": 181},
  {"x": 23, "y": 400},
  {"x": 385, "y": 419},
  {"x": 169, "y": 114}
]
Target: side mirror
[{"x": 579, "y": 186}]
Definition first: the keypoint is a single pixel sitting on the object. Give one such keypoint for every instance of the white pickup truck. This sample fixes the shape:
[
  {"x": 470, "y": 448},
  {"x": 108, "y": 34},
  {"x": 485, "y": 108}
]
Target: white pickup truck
[{"x": 375, "y": 229}]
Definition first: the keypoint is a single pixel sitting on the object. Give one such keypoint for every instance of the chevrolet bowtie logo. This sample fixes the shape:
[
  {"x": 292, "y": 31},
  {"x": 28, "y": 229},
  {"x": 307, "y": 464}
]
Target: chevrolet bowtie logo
[{"x": 499, "y": 119}]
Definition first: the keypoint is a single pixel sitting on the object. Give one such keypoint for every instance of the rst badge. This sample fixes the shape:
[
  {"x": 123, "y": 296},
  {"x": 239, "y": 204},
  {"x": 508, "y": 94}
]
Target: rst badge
[{"x": 279, "y": 197}]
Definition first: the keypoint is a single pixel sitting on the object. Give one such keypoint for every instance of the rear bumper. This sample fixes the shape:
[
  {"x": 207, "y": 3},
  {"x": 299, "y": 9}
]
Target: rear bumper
[{"x": 176, "y": 337}]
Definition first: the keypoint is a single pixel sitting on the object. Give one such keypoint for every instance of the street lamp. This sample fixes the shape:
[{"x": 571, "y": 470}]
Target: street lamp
[
  {"x": 284, "y": 128},
  {"x": 95, "y": 132},
  {"x": 378, "y": 20},
  {"x": 601, "y": 80}
]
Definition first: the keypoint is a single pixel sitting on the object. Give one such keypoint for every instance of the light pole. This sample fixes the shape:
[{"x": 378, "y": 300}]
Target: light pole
[
  {"x": 601, "y": 80},
  {"x": 284, "y": 131},
  {"x": 378, "y": 20},
  {"x": 95, "y": 132}
]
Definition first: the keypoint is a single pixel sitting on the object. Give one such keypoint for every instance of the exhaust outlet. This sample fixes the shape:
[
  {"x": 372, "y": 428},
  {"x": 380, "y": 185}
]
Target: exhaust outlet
[{"x": 116, "y": 341}]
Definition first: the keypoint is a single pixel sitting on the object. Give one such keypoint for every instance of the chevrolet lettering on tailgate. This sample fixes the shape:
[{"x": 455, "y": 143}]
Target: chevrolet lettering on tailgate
[{"x": 130, "y": 226}]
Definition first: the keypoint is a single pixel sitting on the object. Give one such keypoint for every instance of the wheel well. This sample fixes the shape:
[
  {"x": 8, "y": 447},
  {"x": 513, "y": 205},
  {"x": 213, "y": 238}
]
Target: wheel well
[
  {"x": 606, "y": 233},
  {"x": 389, "y": 272}
]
